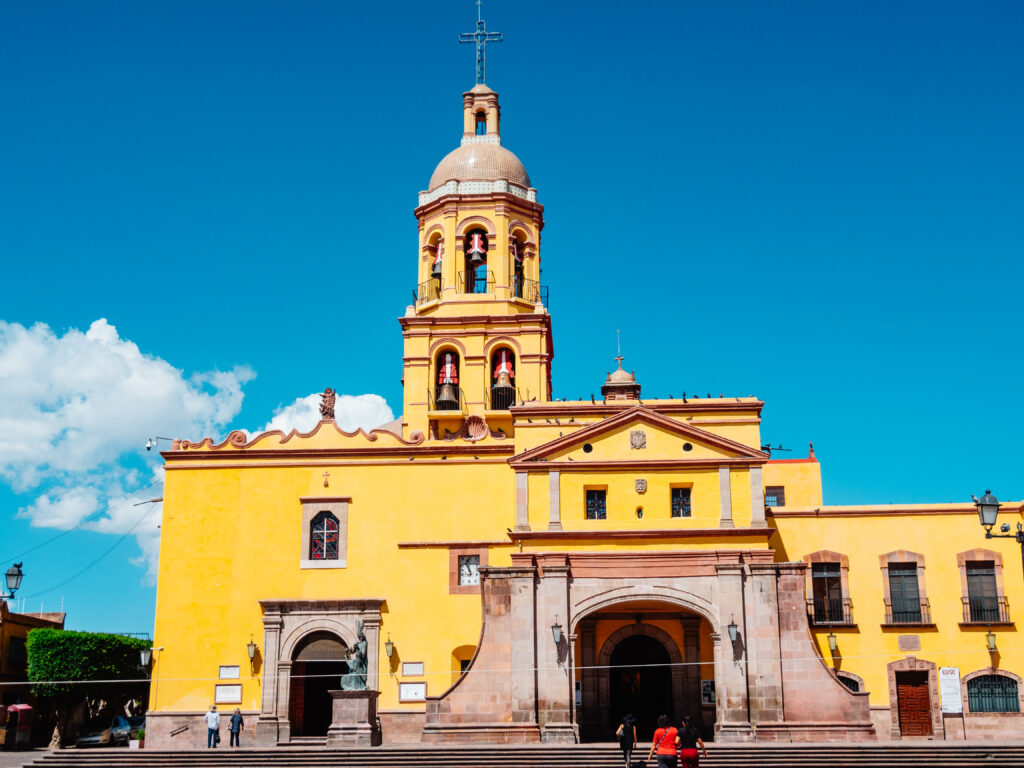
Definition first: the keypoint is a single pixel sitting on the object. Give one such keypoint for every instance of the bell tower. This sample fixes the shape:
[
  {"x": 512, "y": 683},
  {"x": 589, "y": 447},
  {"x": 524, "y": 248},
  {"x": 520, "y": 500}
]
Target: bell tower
[{"x": 477, "y": 337}]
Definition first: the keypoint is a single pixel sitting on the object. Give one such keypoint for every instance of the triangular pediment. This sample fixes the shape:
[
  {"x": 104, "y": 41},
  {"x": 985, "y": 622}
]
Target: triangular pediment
[{"x": 639, "y": 434}]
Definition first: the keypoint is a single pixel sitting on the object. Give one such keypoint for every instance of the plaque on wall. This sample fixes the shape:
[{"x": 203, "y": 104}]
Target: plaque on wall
[
  {"x": 412, "y": 668},
  {"x": 412, "y": 691},
  {"x": 229, "y": 672},
  {"x": 227, "y": 694},
  {"x": 949, "y": 690}
]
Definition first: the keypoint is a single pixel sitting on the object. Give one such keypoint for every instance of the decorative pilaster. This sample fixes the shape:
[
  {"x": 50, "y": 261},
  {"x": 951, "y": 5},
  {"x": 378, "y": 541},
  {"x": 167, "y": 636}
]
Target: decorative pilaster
[
  {"x": 757, "y": 519},
  {"x": 725, "y": 497},
  {"x": 554, "y": 501},
  {"x": 522, "y": 501}
]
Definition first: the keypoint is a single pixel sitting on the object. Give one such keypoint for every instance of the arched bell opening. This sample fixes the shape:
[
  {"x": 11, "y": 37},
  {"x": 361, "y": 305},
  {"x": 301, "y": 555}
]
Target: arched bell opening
[
  {"x": 317, "y": 666},
  {"x": 517, "y": 248},
  {"x": 503, "y": 374},
  {"x": 435, "y": 257},
  {"x": 446, "y": 390},
  {"x": 481, "y": 123},
  {"x": 476, "y": 276}
]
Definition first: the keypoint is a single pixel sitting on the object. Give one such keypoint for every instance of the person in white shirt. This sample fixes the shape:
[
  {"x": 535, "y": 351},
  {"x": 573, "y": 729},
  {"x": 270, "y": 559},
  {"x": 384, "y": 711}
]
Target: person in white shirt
[{"x": 212, "y": 727}]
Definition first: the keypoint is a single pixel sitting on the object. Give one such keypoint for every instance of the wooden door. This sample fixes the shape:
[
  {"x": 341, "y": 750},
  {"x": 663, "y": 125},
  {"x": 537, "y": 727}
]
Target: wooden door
[{"x": 914, "y": 703}]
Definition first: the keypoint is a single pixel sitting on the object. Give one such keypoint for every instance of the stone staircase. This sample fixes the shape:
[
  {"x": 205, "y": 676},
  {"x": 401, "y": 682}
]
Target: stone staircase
[{"x": 914, "y": 755}]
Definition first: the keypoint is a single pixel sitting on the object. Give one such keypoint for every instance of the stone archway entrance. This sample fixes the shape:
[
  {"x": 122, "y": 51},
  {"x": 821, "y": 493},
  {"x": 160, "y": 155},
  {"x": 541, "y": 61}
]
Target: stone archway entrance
[
  {"x": 642, "y": 658},
  {"x": 317, "y": 667}
]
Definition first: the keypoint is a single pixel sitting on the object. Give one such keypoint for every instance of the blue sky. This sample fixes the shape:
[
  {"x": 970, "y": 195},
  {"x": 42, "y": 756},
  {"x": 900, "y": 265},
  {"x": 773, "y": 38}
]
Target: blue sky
[{"x": 817, "y": 203}]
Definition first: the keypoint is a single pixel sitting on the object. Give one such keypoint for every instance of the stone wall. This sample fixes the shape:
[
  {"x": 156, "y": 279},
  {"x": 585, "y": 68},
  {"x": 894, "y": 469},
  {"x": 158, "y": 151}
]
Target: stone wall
[{"x": 187, "y": 730}]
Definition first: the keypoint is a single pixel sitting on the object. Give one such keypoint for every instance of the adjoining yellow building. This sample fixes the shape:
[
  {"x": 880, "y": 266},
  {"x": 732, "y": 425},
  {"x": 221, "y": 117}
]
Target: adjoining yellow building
[{"x": 529, "y": 570}]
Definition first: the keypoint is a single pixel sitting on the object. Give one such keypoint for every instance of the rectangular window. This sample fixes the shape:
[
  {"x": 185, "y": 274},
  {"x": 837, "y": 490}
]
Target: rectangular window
[
  {"x": 681, "y": 502},
  {"x": 469, "y": 570},
  {"x": 775, "y": 496},
  {"x": 982, "y": 600},
  {"x": 904, "y": 592},
  {"x": 596, "y": 509},
  {"x": 17, "y": 655},
  {"x": 828, "y": 593}
]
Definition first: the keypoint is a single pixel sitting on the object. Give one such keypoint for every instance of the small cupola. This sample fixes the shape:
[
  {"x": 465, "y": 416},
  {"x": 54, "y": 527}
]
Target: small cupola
[
  {"x": 620, "y": 385},
  {"x": 482, "y": 115}
]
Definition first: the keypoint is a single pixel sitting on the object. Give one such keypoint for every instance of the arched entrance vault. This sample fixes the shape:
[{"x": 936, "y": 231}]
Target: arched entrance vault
[{"x": 639, "y": 665}]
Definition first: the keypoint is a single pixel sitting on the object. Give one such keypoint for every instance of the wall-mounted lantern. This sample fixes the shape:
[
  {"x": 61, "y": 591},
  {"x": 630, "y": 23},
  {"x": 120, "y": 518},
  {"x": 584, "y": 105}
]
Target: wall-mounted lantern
[
  {"x": 389, "y": 647},
  {"x": 556, "y": 632},
  {"x": 733, "y": 629}
]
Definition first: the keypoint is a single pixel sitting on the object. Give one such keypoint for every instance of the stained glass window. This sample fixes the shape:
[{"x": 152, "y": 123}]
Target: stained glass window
[
  {"x": 681, "y": 502},
  {"x": 596, "y": 509},
  {"x": 323, "y": 537}
]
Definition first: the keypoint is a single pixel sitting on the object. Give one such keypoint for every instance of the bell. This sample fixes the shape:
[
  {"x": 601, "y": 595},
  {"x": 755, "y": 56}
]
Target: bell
[
  {"x": 435, "y": 271},
  {"x": 447, "y": 398},
  {"x": 476, "y": 258},
  {"x": 503, "y": 380}
]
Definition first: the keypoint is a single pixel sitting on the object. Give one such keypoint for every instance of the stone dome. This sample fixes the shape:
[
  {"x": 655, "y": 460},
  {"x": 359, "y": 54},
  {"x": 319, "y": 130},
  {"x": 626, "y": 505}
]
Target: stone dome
[
  {"x": 620, "y": 377},
  {"x": 480, "y": 161}
]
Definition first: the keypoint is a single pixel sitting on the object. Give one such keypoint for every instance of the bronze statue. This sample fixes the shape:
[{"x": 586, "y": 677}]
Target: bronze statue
[
  {"x": 327, "y": 404},
  {"x": 355, "y": 680}
]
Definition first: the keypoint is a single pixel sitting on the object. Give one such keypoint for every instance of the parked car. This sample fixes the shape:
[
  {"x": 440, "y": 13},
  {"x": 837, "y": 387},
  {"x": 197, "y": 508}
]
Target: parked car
[{"x": 104, "y": 731}]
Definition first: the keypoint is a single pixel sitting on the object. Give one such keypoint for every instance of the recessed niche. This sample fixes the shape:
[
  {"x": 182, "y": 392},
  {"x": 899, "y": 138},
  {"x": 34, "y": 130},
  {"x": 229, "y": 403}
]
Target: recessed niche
[{"x": 639, "y": 513}]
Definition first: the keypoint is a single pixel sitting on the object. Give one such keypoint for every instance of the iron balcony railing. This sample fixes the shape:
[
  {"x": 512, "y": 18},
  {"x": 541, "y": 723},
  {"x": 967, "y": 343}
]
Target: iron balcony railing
[
  {"x": 435, "y": 403},
  {"x": 427, "y": 291},
  {"x": 473, "y": 282},
  {"x": 502, "y": 398},
  {"x": 822, "y": 610},
  {"x": 907, "y": 612},
  {"x": 986, "y": 610},
  {"x": 530, "y": 290}
]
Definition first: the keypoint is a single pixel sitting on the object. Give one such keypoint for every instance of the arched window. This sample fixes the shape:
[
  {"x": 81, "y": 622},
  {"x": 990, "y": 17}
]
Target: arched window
[
  {"x": 481, "y": 124},
  {"x": 503, "y": 374},
  {"x": 323, "y": 537},
  {"x": 992, "y": 693},
  {"x": 475, "y": 248},
  {"x": 849, "y": 681},
  {"x": 446, "y": 392}
]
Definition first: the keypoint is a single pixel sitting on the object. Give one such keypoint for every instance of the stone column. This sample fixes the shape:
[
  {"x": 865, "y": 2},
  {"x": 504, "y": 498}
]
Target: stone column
[
  {"x": 284, "y": 693},
  {"x": 691, "y": 670},
  {"x": 725, "y": 496},
  {"x": 554, "y": 670},
  {"x": 522, "y": 646},
  {"x": 757, "y": 519},
  {"x": 554, "y": 501},
  {"x": 762, "y": 640},
  {"x": 371, "y": 628},
  {"x": 522, "y": 501},
  {"x": 731, "y": 681},
  {"x": 265, "y": 732}
]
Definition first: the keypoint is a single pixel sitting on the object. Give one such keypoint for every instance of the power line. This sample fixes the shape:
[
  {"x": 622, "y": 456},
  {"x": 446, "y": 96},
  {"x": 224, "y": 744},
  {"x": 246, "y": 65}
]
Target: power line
[{"x": 89, "y": 519}]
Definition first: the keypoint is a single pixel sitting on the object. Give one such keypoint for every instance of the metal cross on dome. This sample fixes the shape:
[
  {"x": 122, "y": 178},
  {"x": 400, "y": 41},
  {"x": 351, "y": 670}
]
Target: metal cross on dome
[{"x": 481, "y": 37}]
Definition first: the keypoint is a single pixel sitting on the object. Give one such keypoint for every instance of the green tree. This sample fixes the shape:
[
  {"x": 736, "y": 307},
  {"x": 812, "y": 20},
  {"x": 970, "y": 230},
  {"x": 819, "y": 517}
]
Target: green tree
[{"x": 74, "y": 667}]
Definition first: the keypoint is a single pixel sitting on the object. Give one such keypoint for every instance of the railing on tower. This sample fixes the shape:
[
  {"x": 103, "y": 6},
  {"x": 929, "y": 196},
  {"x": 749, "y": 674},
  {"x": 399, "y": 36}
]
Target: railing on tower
[
  {"x": 822, "y": 610},
  {"x": 501, "y": 398},
  {"x": 428, "y": 291},
  {"x": 530, "y": 290},
  {"x": 477, "y": 282},
  {"x": 445, "y": 397}
]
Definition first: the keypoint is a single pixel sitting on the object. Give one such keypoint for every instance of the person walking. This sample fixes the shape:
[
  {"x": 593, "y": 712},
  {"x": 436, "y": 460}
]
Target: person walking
[
  {"x": 689, "y": 740},
  {"x": 237, "y": 724},
  {"x": 627, "y": 738},
  {"x": 212, "y": 727},
  {"x": 665, "y": 743}
]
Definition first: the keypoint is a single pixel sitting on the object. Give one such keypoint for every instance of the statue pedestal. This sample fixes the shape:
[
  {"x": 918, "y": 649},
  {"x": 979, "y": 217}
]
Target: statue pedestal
[{"x": 354, "y": 719}]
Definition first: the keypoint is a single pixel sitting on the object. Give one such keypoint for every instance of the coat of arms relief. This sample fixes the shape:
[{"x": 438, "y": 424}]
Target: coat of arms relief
[{"x": 637, "y": 439}]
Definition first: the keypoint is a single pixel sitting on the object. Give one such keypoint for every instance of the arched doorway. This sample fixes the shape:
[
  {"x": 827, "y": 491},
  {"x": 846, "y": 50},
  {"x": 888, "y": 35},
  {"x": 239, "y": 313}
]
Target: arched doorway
[
  {"x": 640, "y": 683},
  {"x": 317, "y": 666},
  {"x": 647, "y": 657}
]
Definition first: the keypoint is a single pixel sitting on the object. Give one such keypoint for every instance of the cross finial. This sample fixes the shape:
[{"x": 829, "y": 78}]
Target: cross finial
[
  {"x": 618, "y": 347},
  {"x": 481, "y": 37}
]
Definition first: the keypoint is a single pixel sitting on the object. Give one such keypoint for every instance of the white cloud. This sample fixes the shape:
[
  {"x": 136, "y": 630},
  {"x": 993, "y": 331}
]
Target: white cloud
[
  {"x": 350, "y": 412},
  {"x": 73, "y": 408}
]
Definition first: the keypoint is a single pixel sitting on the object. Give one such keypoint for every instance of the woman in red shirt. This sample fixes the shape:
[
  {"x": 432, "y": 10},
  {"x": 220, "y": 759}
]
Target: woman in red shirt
[{"x": 665, "y": 743}]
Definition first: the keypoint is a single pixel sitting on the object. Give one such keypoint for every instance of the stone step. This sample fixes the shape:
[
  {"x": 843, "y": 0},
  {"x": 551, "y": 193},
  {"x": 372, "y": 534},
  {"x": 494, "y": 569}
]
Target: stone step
[{"x": 947, "y": 755}]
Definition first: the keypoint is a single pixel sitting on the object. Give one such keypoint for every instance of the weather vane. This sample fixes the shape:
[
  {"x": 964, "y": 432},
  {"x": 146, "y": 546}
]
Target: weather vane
[{"x": 481, "y": 37}]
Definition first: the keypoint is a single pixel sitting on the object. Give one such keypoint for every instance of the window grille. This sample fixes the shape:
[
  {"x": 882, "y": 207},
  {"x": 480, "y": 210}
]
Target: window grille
[
  {"x": 828, "y": 594},
  {"x": 850, "y": 683},
  {"x": 681, "y": 502},
  {"x": 982, "y": 599},
  {"x": 775, "y": 496},
  {"x": 323, "y": 537},
  {"x": 992, "y": 693},
  {"x": 905, "y": 593},
  {"x": 596, "y": 508}
]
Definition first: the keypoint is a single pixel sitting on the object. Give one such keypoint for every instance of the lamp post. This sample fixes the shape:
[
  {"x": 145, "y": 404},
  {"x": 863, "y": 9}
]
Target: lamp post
[
  {"x": 14, "y": 576},
  {"x": 988, "y": 510}
]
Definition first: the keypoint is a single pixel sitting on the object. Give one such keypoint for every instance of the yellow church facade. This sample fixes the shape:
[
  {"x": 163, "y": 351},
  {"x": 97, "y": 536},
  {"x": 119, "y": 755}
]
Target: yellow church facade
[{"x": 517, "y": 569}]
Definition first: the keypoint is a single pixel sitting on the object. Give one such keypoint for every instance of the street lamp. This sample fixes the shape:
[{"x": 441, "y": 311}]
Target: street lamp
[
  {"x": 14, "y": 576},
  {"x": 988, "y": 510},
  {"x": 556, "y": 632},
  {"x": 145, "y": 656},
  {"x": 389, "y": 647}
]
